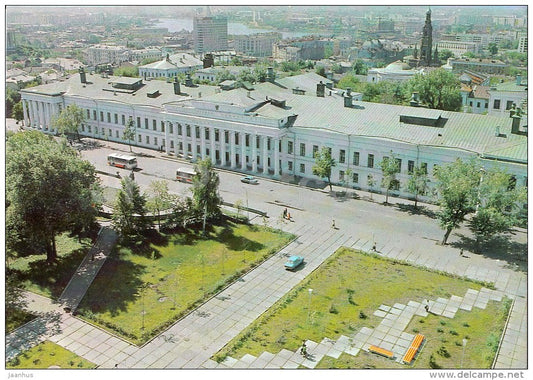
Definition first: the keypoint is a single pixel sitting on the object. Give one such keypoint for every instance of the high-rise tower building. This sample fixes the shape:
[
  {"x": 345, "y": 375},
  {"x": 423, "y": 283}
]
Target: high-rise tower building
[
  {"x": 427, "y": 41},
  {"x": 210, "y": 33}
]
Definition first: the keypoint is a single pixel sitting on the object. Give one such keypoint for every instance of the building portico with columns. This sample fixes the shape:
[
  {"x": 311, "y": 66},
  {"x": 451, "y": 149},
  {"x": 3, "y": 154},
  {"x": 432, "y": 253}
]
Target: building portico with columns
[{"x": 275, "y": 130}]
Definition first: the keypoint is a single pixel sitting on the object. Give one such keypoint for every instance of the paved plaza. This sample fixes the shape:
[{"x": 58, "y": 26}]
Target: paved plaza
[{"x": 193, "y": 340}]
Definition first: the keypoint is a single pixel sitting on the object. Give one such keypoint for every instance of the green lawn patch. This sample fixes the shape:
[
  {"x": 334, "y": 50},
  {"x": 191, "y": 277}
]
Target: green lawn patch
[
  {"x": 46, "y": 355},
  {"x": 347, "y": 289},
  {"x": 168, "y": 274},
  {"x": 49, "y": 280},
  {"x": 16, "y": 318}
]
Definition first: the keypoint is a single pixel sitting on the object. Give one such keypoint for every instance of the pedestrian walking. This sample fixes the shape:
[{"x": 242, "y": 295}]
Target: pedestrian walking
[
  {"x": 303, "y": 350},
  {"x": 374, "y": 247},
  {"x": 289, "y": 216},
  {"x": 333, "y": 224},
  {"x": 461, "y": 253},
  {"x": 285, "y": 214},
  {"x": 427, "y": 306},
  {"x": 132, "y": 175}
]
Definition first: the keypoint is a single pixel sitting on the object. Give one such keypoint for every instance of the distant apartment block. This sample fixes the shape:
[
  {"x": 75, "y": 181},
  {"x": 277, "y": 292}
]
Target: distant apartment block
[
  {"x": 299, "y": 49},
  {"x": 99, "y": 54},
  {"x": 482, "y": 39},
  {"x": 522, "y": 43},
  {"x": 210, "y": 33},
  {"x": 458, "y": 48},
  {"x": 484, "y": 66},
  {"x": 256, "y": 45},
  {"x": 147, "y": 53}
]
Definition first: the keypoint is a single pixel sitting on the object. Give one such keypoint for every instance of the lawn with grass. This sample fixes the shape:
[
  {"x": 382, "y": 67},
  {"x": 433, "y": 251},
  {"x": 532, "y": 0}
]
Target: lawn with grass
[
  {"x": 49, "y": 280},
  {"x": 347, "y": 289},
  {"x": 46, "y": 355},
  {"x": 159, "y": 280}
]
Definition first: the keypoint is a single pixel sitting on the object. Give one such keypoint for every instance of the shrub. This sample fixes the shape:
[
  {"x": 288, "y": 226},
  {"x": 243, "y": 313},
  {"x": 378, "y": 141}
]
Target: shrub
[
  {"x": 453, "y": 332},
  {"x": 362, "y": 315},
  {"x": 433, "y": 363},
  {"x": 442, "y": 351},
  {"x": 440, "y": 330},
  {"x": 421, "y": 321},
  {"x": 333, "y": 309},
  {"x": 442, "y": 323},
  {"x": 466, "y": 324}
]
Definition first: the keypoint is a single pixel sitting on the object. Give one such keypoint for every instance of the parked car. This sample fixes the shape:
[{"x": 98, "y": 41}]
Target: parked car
[
  {"x": 249, "y": 179},
  {"x": 293, "y": 262}
]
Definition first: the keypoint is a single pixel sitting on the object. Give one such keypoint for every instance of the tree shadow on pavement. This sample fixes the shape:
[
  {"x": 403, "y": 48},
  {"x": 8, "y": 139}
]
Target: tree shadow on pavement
[
  {"x": 419, "y": 210},
  {"x": 499, "y": 248}
]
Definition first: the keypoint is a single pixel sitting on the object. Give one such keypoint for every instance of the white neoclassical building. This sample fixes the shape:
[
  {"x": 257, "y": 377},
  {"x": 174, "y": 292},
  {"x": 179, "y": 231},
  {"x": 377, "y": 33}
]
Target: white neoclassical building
[{"x": 274, "y": 130}]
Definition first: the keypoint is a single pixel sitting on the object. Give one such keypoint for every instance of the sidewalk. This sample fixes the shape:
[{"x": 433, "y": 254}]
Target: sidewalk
[
  {"x": 191, "y": 342},
  {"x": 52, "y": 320}
]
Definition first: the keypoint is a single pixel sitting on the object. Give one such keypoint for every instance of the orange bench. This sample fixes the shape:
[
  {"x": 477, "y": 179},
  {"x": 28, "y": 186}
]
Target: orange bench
[
  {"x": 381, "y": 351},
  {"x": 411, "y": 352}
]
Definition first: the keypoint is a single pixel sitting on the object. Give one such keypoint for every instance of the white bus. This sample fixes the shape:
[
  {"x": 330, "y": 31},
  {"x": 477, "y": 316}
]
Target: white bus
[
  {"x": 122, "y": 161},
  {"x": 185, "y": 174}
]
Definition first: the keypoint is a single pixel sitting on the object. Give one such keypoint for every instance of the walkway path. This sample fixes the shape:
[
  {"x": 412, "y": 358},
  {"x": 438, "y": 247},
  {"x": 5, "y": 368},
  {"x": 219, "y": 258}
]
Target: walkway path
[
  {"x": 53, "y": 321},
  {"x": 190, "y": 342}
]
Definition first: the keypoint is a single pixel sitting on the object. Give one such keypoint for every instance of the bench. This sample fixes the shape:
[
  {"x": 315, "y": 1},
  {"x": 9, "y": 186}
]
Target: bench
[
  {"x": 415, "y": 345},
  {"x": 381, "y": 351}
]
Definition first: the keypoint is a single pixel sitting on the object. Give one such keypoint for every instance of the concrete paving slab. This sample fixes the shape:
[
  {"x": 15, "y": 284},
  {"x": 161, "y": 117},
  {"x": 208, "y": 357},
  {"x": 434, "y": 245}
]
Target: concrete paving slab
[{"x": 380, "y": 313}]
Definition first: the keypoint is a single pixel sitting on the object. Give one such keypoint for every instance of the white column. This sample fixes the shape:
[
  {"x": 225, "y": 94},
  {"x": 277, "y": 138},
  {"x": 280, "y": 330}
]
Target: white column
[
  {"x": 176, "y": 138},
  {"x": 41, "y": 114},
  {"x": 276, "y": 157},
  {"x": 202, "y": 142},
  {"x": 232, "y": 148},
  {"x": 193, "y": 142},
  {"x": 35, "y": 118},
  {"x": 242, "y": 140},
  {"x": 222, "y": 137},
  {"x": 254, "y": 152},
  {"x": 31, "y": 109},
  {"x": 265, "y": 154},
  {"x": 184, "y": 140},
  {"x": 46, "y": 107},
  {"x": 167, "y": 137},
  {"x": 213, "y": 146},
  {"x": 25, "y": 110}
]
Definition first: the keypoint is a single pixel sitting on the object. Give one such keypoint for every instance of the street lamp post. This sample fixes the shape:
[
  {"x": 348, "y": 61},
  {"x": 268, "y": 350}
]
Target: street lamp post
[
  {"x": 465, "y": 341},
  {"x": 309, "y": 305}
]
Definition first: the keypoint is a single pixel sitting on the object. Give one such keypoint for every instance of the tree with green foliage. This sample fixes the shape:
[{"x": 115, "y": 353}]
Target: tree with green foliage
[
  {"x": 457, "y": 186},
  {"x": 260, "y": 72},
  {"x": 418, "y": 183},
  {"x": 444, "y": 55},
  {"x": 320, "y": 70},
  {"x": 349, "y": 81},
  {"x": 58, "y": 192},
  {"x": 160, "y": 199},
  {"x": 68, "y": 121},
  {"x": 12, "y": 98},
  {"x": 17, "y": 113},
  {"x": 323, "y": 164},
  {"x": 206, "y": 198},
  {"x": 438, "y": 89},
  {"x": 129, "y": 131},
  {"x": 126, "y": 71},
  {"x": 129, "y": 212},
  {"x": 359, "y": 67},
  {"x": 498, "y": 206},
  {"x": 371, "y": 183},
  {"x": 389, "y": 167},
  {"x": 492, "y": 48},
  {"x": 224, "y": 75}
]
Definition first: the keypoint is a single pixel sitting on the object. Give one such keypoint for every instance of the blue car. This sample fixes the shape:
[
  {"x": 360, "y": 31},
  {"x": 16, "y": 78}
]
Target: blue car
[{"x": 293, "y": 262}]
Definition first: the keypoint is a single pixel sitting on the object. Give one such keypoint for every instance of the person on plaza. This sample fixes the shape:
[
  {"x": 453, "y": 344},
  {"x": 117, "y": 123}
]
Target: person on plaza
[
  {"x": 285, "y": 214},
  {"x": 132, "y": 175},
  {"x": 461, "y": 253},
  {"x": 289, "y": 216},
  {"x": 333, "y": 224},
  {"x": 303, "y": 350}
]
